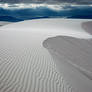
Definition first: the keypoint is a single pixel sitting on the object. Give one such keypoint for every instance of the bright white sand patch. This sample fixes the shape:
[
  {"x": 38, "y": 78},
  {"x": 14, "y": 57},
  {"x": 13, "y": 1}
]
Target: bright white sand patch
[
  {"x": 26, "y": 66},
  {"x": 52, "y": 27}
]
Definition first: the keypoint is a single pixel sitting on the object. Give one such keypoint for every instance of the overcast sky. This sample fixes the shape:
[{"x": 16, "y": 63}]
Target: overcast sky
[{"x": 48, "y": 1}]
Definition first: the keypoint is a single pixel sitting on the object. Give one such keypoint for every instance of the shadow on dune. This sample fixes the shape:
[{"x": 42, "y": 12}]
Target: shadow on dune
[
  {"x": 77, "y": 51},
  {"x": 73, "y": 59},
  {"x": 87, "y": 26}
]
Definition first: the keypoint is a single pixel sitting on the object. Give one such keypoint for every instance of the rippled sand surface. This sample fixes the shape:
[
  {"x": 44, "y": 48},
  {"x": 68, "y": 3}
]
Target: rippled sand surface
[{"x": 27, "y": 65}]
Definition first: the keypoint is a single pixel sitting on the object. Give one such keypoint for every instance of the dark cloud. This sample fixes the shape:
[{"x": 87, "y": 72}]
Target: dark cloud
[{"x": 48, "y": 1}]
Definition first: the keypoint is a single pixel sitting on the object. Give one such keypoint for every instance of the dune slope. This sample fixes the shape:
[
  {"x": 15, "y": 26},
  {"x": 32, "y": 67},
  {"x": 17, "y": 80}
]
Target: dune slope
[
  {"x": 27, "y": 65},
  {"x": 73, "y": 58}
]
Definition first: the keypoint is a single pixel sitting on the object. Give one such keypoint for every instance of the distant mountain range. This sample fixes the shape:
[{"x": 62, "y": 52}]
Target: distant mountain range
[
  {"x": 48, "y": 1},
  {"x": 67, "y": 11},
  {"x": 9, "y": 19}
]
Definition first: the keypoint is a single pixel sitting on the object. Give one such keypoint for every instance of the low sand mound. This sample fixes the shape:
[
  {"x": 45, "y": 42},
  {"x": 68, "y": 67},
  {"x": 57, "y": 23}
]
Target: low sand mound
[
  {"x": 2, "y": 23},
  {"x": 73, "y": 58},
  {"x": 87, "y": 26}
]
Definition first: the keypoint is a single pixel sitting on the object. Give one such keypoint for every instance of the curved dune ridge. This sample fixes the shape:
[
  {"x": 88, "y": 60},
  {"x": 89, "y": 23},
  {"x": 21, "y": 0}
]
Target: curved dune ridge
[{"x": 28, "y": 60}]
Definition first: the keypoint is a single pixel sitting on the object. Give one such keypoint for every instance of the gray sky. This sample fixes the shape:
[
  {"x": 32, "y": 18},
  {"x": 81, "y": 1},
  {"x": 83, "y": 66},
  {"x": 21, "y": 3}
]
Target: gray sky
[{"x": 48, "y": 1}]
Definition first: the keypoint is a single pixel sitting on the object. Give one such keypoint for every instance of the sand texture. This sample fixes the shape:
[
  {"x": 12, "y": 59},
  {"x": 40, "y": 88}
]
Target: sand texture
[{"x": 48, "y": 55}]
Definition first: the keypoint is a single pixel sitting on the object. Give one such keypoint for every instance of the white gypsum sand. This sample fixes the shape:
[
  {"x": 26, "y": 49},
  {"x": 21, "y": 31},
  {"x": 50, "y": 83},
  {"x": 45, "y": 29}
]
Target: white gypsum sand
[
  {"x": 87, "y": 26},
  {"x": 26, "y": 56},
  {"x": 2, "y": 23},
  {"x": 73, "y": 58}
]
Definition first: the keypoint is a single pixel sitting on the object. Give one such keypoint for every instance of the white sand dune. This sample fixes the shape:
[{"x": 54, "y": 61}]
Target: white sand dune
[
  {"x": 73, "y": 57},
  {"x": 87, "y": 26},
  {"x": 27, "y": 63},
  {"x": 2, "y": 23}
]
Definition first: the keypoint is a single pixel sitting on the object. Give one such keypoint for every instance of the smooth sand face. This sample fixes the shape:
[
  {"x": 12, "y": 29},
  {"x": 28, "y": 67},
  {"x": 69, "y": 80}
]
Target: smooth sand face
[
  {"x": 87, "y": 26},
  {"x": 27, "y": 64},
  {"x": 73, "y": 58}
]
